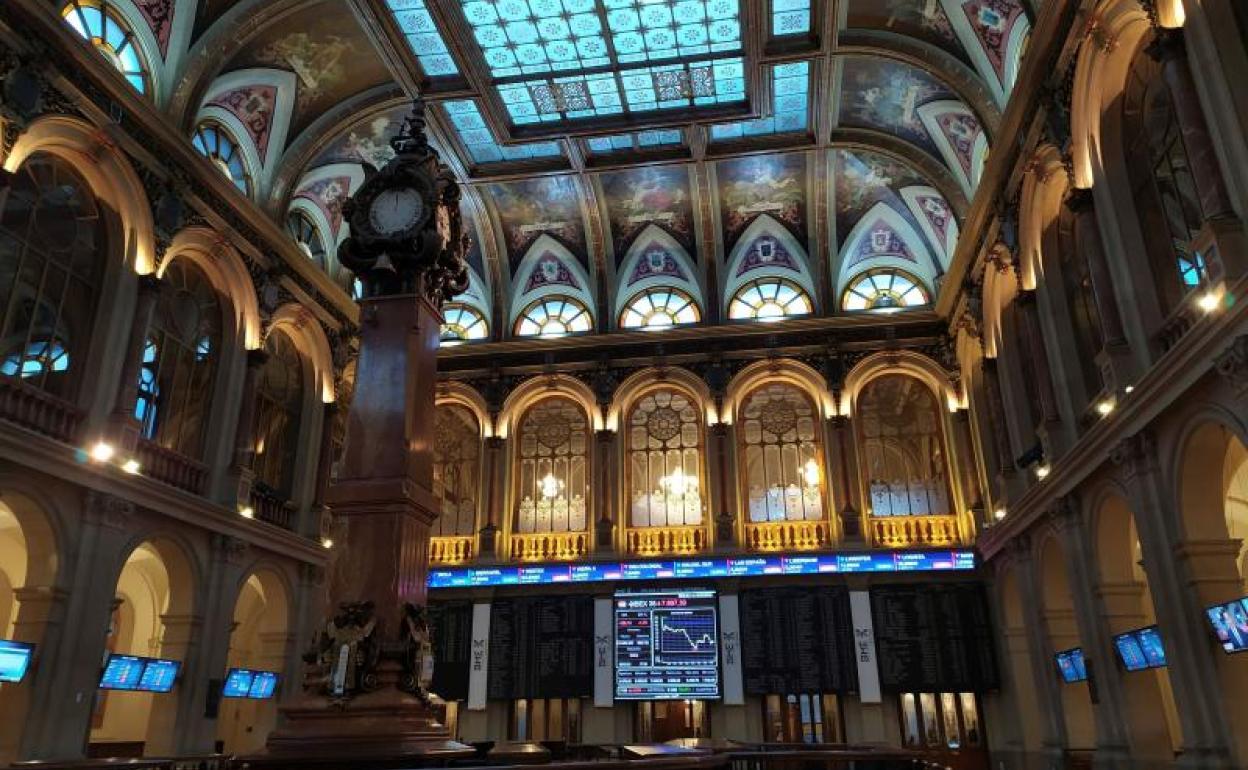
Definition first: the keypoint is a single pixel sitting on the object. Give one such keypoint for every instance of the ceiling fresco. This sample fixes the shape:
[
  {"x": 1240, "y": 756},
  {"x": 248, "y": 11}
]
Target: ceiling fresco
[
  {"x": 651, "y": 195},
  {"x": 590, "y": 133}
]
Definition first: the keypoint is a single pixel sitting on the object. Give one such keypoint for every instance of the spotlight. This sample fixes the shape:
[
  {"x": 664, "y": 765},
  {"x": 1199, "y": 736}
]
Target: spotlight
[
  {"x": 1208, "y": 301},
  {"x": 1105, "y": 407},
  {"x": 327, "y": 543},
  {"x": 131, "y": 466},
  {"x": 998, "y": 514},
  {"x": 247, "y": 512},
  {"x": 102, "y": 452},
  {"x": 1042, "y": 471},
  {"x": 1129, "y": 389}
]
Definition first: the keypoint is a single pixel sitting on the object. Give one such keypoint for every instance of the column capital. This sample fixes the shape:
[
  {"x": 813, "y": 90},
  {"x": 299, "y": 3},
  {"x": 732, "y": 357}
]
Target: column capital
[
  {"x": 1136, "y": 455},
  {"x": 1232, "y": 365},
  {"x": 149, "y": 284},
  {"x": 1080, "y": 200},
  {"x": 108, "y": 510},
  {"x": 1167, "y": 44},
  {"x": 1066, "y": 515},
  {"x": 229, "y": 549},
  {"x": 257, "y": 358},
  {"x": 494, "y": 443}
]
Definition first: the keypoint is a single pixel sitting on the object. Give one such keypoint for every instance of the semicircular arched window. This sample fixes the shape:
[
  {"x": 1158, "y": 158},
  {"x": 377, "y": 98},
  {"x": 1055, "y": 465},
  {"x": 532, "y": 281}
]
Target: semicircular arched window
[
  {"x": 554, "y": 316},
  {"x": 884, "y": 289},
  {"x": 307, "y": 235},
  {"x": 98, "y": 22},
  {"x": 462, "y": 323},
  {"x": 769, "y": 299},
  {"x": 660, "y": 308},
  {"x": 216, "y": 144}
]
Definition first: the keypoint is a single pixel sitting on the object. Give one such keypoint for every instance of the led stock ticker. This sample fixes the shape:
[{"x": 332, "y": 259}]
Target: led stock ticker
[{"x": 745, "y": 566}]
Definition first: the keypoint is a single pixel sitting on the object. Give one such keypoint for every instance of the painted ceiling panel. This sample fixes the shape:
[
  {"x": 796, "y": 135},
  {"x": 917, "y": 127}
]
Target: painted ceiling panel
[
  {"x": 637, "y": 198},
  {"x": 885, "y": 95},
  {"x": 530, "y": 208},
  {"x": 774, "y": 185},
  {"x": 924, "y": 20}
]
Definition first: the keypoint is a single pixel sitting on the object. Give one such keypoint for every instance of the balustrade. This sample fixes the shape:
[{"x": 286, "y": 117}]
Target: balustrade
[
  {"x": 451, "y": 549},
  {"x": 38, "y": 411},
  {"x": 914, "y": 531},
  {"x": 656, "y": 541},
  {"x": 549, "y": 546},
  {"x": 268, "y": 506},
  {"x": 171, "y": 467},
  {"x": 788, "y": 535}
]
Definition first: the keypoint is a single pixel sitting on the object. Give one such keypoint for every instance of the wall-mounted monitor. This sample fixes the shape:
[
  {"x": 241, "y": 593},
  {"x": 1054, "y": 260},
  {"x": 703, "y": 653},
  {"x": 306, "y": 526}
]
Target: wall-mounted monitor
[
  {"x": 1140, "y": 649},
  {"x": 1071, "y": 665},
  {"x": 1230, "y": 624},
  {"x": 666, "y": 645},
  {"x": 14, "y": 660},
  {"x": 248, "y": 683},
  {"x": 135, "y": 673}
]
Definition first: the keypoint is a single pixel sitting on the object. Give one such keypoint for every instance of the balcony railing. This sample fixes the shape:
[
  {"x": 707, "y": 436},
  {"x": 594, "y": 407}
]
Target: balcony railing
[
  {"x": 549, "y": 546},
  {"x": 451, "y": 549},
  {"x": 657, "y": 541},
  {"x": 271, "y": 507},
  {"x": 36, "y": 410},
  {"x": 788, "y": 535},
  {"x": 172, "y": 467},
  {"x": 914, "y": 531}
]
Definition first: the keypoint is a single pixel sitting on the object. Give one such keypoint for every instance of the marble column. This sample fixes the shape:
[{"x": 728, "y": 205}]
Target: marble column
[
  {"x": 727, "y": 527},
  {"x": 243, "y": 468},
  {"x": 1044, "y": 688},
  {"x": 1033, "y": 344},
  {"x": 494, "y": 494},
  {"x": 606, "y": 491},
  {"x": 169, "y": 729},
  {"x": 967, "y": 463},
  {"x": 1115, "y": 355},
  {"x": 997, "y": 424},
  {"x": 125, "y": 429},
  {"x": 1180, "y": 614}
]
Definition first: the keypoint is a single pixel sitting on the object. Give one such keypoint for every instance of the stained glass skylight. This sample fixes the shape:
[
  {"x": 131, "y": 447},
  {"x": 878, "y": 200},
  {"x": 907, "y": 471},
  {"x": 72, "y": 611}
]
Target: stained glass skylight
[
  {"x": 790, "y": 98},
  {"x": 790, "y": 17},
  {"x": 480, "y": 143},
  {"x": 640, "y": 140},
  {"x": 423, "y": 37},
  {"x": 567, "y": 59}
]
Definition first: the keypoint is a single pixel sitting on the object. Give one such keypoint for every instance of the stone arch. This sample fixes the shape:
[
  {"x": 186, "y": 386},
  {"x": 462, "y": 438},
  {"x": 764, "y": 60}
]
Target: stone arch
[
  {"x": 225, "y": 269},
  {"x": 260, "y": 640},
  {"x": 1211, "y": 473},
  {"x": 801, "y": 376},
  {"x": 916, "y": 365},
  {"x": 298, "y": 322},
  {"x": 923, "y": 266},
  {"x": 685, "y": 276},
  {"x": 1057, "y": 603},
  {"x": 739, "y": 271},
  {"x": 536, "y": 389},
  {"x": 455, "y": 392},
  {"x": 639, "y": 383},
  {"x": 109, "y": 173},
  {"x": 1043, "y": 192}
]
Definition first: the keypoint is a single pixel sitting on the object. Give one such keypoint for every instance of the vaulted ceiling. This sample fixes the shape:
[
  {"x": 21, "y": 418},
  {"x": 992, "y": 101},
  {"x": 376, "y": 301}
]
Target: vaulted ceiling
[{"x": 608, "y": 147}]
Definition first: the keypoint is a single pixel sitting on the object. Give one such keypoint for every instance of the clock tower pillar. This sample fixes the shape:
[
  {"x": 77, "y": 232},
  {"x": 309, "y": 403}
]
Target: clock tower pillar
[{"x": 365, "y": 693}]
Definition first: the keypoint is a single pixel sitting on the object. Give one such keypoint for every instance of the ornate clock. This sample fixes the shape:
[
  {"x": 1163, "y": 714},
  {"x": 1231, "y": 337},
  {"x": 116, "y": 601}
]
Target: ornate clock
[{"x": 407, "y": 236}]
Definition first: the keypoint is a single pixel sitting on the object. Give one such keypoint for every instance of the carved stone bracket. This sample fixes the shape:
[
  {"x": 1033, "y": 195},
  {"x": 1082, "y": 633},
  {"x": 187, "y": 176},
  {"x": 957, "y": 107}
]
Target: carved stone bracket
[
  {"x": 108, "y": 510},
  {"x": 1232, "y": 365},
  {"x": 1136, "y": 455}
]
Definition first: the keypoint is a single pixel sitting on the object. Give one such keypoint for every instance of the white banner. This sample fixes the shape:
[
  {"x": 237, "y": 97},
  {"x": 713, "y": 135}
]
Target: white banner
[
  {"x": 864, "y": 647},
  {"x": 604, "y": 652},
  {"x": 730, "y": 650},
  {"x": 479, "y": 668}
]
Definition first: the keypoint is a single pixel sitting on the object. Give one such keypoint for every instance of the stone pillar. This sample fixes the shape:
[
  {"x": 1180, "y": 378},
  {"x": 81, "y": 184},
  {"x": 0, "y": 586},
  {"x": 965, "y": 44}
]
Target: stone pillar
[
  {"x": 39, "y": 617},
  {"x": 997, "y": 425},
  {"x": 606, "y": 491},
  {"x": 245, "y": 435},
  {"x": 74, "y": 634},
  {"x": 854, "y": 508},
  {"x": 493, "y": 493},
  {"x": 726, "y": 524},
  {"x": 967, "y": 463},
  {"x": 1112, "y": 749},
  {"x": 1115, "y": 363},
  {"x": 173, "y": 712},
  {"x": 1033, "y": 344},
  {"x": 1045, "y": 688},
  {"x": 124, "y": 428},
  {"x": 1180, "y": 614},
  {"x": 325, "y": 455},
  {"x": 1222, "y": 238}
]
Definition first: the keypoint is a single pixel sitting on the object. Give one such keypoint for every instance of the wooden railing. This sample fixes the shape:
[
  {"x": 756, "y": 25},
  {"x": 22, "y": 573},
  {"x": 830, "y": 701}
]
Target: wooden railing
[
  {"x": 912, "y": 531},
  {"x": 788, "y": 535},
  {"x": 451, "y": 549},
  {"x": 171, "y": 467},
  {"x": 36, "y": 410},
  {"x": 270, "y": 507},
  {"x": 549, "y": 546},
  {"x": 657, "y": 541}
]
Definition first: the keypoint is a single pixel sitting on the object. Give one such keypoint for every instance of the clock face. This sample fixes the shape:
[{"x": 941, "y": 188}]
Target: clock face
[{"x": 395, "y": 211}]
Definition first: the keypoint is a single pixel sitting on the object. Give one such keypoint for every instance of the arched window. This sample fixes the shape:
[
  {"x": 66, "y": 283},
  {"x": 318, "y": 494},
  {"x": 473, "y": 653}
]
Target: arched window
[
  {"x": 462, "y": 323},
  {"x": 456, "y": 469},
  {"x": 1165, "y": 193},
  {"x": 51, "y": 263},
  {"x": 179, "y": 361},
  {"x": 664, "y": 460},
  {"x": 552, "y": 467},
  {"x": 554, "y": 316},
  {"x": 104, "y": 27},
  {"x": 769, "y": 299},
  {"x": 781, "y": 462},
  {"x": 884, "y": 289},
  {"x": 660, "y": 308},
  {"x": 279, "y": 405},
  {"x": 1076, "y": 278},
  {"x": 307, "y": 235},
  {"x": 902, "y": 447},
  {"x": 216, "y": 144}
]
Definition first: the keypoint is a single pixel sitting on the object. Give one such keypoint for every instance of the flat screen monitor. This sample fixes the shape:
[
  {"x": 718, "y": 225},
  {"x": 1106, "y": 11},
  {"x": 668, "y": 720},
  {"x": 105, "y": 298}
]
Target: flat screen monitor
[
  {"x": 1230, "y": 624},
  {"x": 667, "y": 645},
  {"x": 238, "y": 683},
  {"x": 122, "y": 672},
  {"x": 159, "y": 675},
  {"x": 14, "y": 660},
  {"x": 1071, "y": 665},
  {"x": 263, "y": 685},
  {"x": 1130, "y": 652}
]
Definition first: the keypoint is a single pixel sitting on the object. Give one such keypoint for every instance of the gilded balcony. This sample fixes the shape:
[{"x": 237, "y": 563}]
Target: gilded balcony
[
  {"x": 666, "y": 541},
  {"x": 788, "y": 535},
  {"x": 549, "y": 546},
  {"x": 914, "y": 531},
  {"x": 451, "y": 549}
]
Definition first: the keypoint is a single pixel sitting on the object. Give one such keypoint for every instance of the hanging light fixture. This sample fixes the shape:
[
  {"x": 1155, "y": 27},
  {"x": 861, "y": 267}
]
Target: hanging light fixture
[
  {"x": 550, "y": 486},
  {"x": 810, "y": 473}
]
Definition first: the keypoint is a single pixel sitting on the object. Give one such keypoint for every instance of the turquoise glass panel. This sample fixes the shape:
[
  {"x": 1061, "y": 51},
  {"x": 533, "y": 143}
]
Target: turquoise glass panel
[
  {"x": 790, "y": 101},
  {"x": 479, "y": 140},
  {"x": 423, "y": 37}
]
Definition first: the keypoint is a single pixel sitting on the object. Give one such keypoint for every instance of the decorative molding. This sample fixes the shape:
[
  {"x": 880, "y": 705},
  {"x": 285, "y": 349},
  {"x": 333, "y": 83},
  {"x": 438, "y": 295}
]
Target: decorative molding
[
  {"x": 1135, "y": 455},
  {"x": 1232, "y": 365},
  {"x": 108, "y": 510}
]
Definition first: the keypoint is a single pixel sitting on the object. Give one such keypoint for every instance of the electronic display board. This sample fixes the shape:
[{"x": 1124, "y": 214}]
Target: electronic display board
[
  {"x": 1230, "y": 623},
  {"x": 1140, "y": 649},
  {"x": 14, "y": 660},
  {"x": 238, "y": 683},
  {"x": 263, "y": 685},
  {"x": 666, "y": 645},
  {"x": 1071, "y": 665},
  {"x": 694, "y": 569},
  {"x": 122, "y": 672},
  {"x": 158, "y": 675}
]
